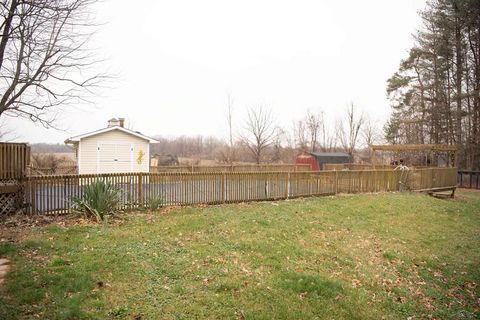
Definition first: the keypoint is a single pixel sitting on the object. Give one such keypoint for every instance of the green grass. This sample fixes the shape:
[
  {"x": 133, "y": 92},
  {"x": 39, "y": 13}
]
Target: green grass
[{"x": 348, "y": 257}]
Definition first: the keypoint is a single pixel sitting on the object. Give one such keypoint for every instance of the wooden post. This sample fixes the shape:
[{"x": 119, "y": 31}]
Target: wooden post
[
  {"x": 287, "y": 186},
  {"x": 140, "y": 189},
  {"x": 224, "y": 189},
  {"x": 33, "y": 197},
  {"x": 374, "y": 160},
  {"x": 336, "y": 182}
]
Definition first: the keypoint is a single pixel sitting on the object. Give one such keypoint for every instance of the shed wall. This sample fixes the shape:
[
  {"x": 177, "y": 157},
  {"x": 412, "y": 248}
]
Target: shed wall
[
  {"x": 88, "y": 152},
  {"x": 308, "y": 159}
]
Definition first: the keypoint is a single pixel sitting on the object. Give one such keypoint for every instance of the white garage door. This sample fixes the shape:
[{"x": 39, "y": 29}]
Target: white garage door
[{"x": 114, "y": 157}]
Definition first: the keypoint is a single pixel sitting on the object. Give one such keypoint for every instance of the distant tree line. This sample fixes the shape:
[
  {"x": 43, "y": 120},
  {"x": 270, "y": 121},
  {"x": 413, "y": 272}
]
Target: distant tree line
[
  {"x": 50, "y": 148},
  {"x": 435, "y": 94},
  {"x": 258, "y": 138},
  {"x": 185, "y": 146}
]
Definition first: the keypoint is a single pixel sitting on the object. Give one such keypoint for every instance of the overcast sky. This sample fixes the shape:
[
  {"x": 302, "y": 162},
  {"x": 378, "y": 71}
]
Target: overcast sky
[{"x": 176, "y": 61}]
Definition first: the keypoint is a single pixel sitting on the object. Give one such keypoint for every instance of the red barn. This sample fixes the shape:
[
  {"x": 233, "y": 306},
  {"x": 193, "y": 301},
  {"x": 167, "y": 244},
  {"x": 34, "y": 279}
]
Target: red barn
[
  {"x": 307, "y": 158},
  {"x": 318, "y": 159}
]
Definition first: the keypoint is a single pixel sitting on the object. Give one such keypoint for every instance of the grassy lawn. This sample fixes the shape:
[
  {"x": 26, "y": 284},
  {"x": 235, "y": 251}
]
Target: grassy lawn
[{"x": 348, "y": 257}]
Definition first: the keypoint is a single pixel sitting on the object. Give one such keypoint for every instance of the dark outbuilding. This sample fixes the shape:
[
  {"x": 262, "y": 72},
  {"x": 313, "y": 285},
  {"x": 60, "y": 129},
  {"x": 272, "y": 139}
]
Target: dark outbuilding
[{"x": 318, "y": 159}]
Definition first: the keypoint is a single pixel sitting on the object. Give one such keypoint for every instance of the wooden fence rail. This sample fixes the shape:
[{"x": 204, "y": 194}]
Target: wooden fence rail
[
  {"x": 54, "y": 194},
  {"x": 233, "y": 168},
  {"x": 356, "y": 166}
]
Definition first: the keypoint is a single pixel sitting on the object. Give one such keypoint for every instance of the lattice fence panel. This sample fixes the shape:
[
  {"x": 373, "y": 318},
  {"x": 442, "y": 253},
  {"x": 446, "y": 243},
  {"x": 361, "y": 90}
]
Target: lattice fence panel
[
  {"x": 11, "y": 200},
  {"x": 8, "y": 203}
]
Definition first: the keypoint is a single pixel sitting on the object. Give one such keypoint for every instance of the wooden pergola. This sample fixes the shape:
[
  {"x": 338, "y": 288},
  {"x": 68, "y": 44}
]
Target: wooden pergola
[{"x": 424, "y": 148}]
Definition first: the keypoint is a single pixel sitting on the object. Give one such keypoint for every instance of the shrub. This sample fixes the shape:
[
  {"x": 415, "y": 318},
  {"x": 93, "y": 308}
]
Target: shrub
[
  {"x": 154, "y": 203},
  {"x": 100, "y": 199}
]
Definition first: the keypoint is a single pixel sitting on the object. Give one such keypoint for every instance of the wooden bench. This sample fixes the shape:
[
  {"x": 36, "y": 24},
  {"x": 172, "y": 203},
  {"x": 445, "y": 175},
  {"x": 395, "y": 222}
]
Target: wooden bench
[{"x": 440, "y": 192}]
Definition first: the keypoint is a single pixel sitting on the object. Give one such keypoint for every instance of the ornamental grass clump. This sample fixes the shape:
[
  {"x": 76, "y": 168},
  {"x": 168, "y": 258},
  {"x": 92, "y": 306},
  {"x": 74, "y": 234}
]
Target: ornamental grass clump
[
  {"x": 100, "y": 200},
  {"x": 154, "y": 203}
]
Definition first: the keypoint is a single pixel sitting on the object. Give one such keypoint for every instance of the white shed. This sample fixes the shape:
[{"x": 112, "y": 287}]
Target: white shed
[{"x": 113, "y": 149}]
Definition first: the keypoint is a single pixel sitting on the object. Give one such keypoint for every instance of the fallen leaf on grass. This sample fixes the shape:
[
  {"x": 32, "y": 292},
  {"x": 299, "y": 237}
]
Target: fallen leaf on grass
[
  {"x": 401, "y": 300},
  {"x": 246, "y": 270},
  {"x": 356, "y": 283},
  {"x": 471, "y": 285},
  {"x": 427, "y": 302},
  {"x": 420, "y": 292},
  {"x": 437, "y": 274}
]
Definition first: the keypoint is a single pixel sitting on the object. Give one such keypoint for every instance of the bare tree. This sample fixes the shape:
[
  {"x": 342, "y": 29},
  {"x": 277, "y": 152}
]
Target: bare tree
[
  {"x": 348, "y": 130},
  {"x": 300, "y": 135},
  {"x": 371, "y": 134},
  {"x": 313, "y": 124},
  {"x": 44, "y": 62},
  {"x": 231, "y": 148},
  {"x": 276, "y": 152},
  {"x": 329, "y": 138},
  {"x": 259, "y": 132}
]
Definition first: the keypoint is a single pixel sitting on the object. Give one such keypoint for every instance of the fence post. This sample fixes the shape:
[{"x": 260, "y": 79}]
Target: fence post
[
  {"x": 33, "y": 196},
  {"x": 287, "y": 190},
  {"x": 224, "y": 189},
  {"x": 336, "y": 182},
  {"x": 140, "y": 188}
]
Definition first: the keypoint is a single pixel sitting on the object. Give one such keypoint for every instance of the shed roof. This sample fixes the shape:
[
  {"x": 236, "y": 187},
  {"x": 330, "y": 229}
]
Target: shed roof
[
  {"x": 329, "y": 154},
  {"x": 93, "y": 133}
]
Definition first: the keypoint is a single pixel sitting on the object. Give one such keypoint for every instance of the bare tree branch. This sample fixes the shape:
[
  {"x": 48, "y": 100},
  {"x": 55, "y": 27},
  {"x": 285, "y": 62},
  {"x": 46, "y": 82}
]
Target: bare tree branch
[
  {"x": 44, "y": 62},
  {"x": 231, "y": 150},
  {"x": 348, "y": 130},
  {"x": 259, "y": 132}
]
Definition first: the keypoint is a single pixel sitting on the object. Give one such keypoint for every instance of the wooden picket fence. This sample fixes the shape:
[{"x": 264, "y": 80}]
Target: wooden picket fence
[
  {"x": 356, "y": 166},
  {"x": 469, "y": 179},
  {"x": 14, "y": 159},
  {"x": 54, "y": 194},
  {"x": 234, "y": 168}
]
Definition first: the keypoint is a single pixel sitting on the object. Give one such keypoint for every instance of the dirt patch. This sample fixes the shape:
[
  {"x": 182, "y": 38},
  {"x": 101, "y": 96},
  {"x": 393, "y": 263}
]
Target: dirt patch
[
  {"x": 15, "y": 227},
  {"x": 467, "y": 190}
]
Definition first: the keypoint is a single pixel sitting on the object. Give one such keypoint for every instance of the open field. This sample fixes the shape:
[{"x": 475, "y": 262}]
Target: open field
[{"x": 345, "y": 257}]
